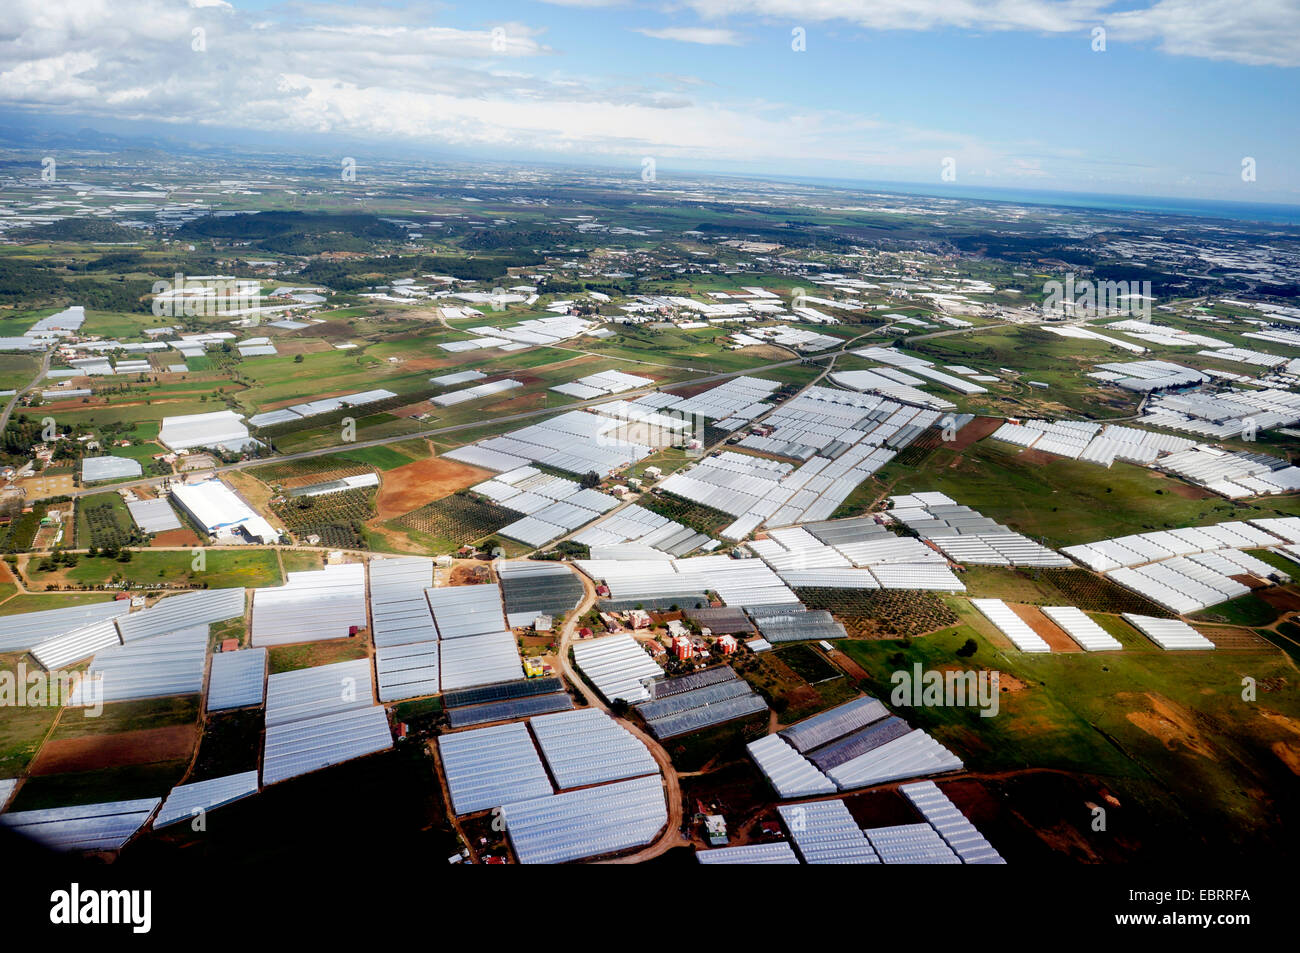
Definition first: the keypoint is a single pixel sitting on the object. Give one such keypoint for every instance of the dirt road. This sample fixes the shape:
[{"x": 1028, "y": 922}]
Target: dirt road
[{"x": 671, "y": 836}]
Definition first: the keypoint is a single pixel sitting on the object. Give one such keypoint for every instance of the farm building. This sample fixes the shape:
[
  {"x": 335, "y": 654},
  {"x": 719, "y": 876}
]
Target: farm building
[
  {"x": 224, "y": 429},
  {"x": 94, "y": 469},
  {"x": 221, "y": 513}
]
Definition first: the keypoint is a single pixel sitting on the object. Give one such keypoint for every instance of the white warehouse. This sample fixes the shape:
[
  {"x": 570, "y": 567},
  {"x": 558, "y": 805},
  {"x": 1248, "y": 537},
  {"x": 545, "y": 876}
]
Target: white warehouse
[
  {"x": 224, "y": 429},
  {"x": 220, "y": 511}
]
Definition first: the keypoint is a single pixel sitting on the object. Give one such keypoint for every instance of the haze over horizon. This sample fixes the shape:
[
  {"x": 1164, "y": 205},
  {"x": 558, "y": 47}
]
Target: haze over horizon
[{"x": 1018, "y": 95}]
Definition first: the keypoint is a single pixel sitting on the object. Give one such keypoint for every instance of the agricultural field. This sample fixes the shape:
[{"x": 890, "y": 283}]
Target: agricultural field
[
  {"x": 295, "y": 473},
  {"x": 230, "y": 742},
  {"x": 881, "y": 613},
  {"x": 1065, "y": 502},
  {"x": 166, "y": 569},
  {"x": 456, "y": 520},
  {"x": 290, "y": 658},
  {"x": 23, "y": 729},
  {"x": 1165, "y": 732},
  {"x": 103, "y": 521},
  {"x": 336, "y": 518},
  {"x": 701, "y": 518},
  {"x": 1081, "y": 588},
  {"x": 790, "y": 695}
]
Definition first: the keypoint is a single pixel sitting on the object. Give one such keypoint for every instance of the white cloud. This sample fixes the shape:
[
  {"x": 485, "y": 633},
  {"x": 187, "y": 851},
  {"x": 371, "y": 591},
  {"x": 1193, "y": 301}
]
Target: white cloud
[
  {"x": 314, "y": 68},
  {"x": 707, "y": 36},
  {"x": 1252, "y": 32},
  {"x": 1053, "y": 16}
]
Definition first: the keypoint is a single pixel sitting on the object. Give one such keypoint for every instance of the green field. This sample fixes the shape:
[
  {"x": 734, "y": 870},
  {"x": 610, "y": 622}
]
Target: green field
[
  {"x": 1064, "y": 501},
  {"x": 35, "y": 602},
  {"x": 23, "y": 728},
  {"x": 290, "y": 658},
  {"x": 103, "y": 520},
  {"x": 1131, "y": 718},
  {"x": 175, "y": 569}
]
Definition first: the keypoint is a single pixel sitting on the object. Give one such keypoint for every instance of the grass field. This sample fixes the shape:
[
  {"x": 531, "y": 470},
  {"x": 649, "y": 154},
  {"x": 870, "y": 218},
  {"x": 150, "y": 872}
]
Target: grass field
[
  {"x": 300, "y": 561},
  {"x": 290, "y": 658},
  {"x": 1064, "y": 501},
  {"x": 36, "y": 602},
  {"x": 131, "y": 716},
  {"x": 223, "y": 569},
  {"x": 1143, "y": 721},
  {"x": 23, "y": 728},
  {"x": 1248, "y": 610}
]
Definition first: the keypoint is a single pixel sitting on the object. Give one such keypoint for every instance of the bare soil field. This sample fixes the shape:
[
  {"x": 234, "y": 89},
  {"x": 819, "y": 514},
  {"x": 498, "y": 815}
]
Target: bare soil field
[
  {"x": 1189, "y": 492},
  {"x": 1168, "y": 722},
  {"x": 973, "y": 432},
  {"x": 39, "y": 487},
  {"x": 463, "y": 574},
  {"x": 1036, "y": 457},
  {"x": 1232, "y": 638},
  {"x": 1046, "y": 629},
  {"x": 176, "y": 537},
  {"x": 1282, "y": 599},
  {"x": 409, "y": 487},
  {"x": 95, "y": 752}
]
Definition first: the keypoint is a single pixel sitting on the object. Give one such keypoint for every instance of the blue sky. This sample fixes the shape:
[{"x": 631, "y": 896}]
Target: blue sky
[{"x": 1011, "y": 90}]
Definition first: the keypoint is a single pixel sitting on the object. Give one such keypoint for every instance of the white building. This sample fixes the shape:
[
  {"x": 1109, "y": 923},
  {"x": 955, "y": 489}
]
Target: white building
[
  {"x": 224, "y": 428},
  {"x": 220, "y": 511}
]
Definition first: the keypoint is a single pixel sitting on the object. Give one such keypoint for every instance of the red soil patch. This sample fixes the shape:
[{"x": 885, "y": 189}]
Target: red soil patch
[
  {"x": 411, "y": 486},
  {"x": 292, "y": 346},
  {"x": 973, "y": 432},
  {"x": 176, "y": 537},
  {"x": 1283, "y": 600},
  {"x": 1036, "y": 457},
  {"x": 691, "y": 390},
  {"x": 463, "y": 575},
  {"x": 1189, "y": 492},
  {"x": 1046, "y": 629},
  {"x": 145, "y": 746}
]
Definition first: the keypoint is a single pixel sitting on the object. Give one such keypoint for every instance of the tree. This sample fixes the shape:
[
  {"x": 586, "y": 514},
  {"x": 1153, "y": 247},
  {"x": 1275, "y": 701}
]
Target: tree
[
  {"x": 297, "y": 358},
  {"x": 590, "y": 480},
  {"x": 968, "y": 649},
  {"x": 619, "y": 707}
]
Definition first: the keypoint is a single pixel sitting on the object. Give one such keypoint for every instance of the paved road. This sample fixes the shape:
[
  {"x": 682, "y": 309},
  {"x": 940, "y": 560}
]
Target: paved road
[{"x": 13, "y": 401}]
